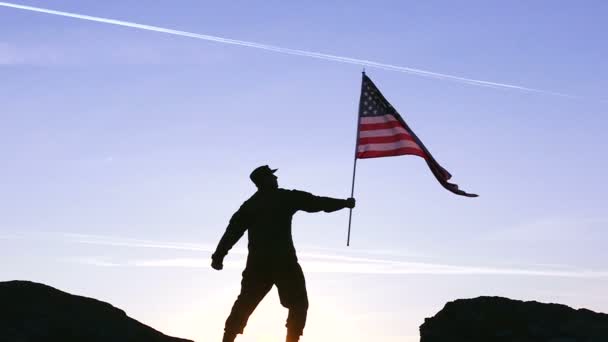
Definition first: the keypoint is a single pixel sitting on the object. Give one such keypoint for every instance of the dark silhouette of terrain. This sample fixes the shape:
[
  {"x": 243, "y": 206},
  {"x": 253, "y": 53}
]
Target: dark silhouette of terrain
[
  {"x": 496, "y": 319},
  {"x": 33, "y": 312}
]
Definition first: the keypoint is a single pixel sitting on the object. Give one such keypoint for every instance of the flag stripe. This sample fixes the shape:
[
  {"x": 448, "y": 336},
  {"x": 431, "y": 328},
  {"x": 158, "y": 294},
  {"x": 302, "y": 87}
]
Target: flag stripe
[
  {"x": 378, "y": 119},
  {"x": 383, "y": 132},
  {"x": 398, "y": 152},
  {"x": 385, "y": 139},
  {"x": 388, "y": 146},
  {"x": 380, "y": 125}
]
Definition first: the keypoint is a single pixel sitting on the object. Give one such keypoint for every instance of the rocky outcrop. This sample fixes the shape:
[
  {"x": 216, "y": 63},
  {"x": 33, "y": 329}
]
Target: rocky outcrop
[
  {"x": 496, "y": 319},
  {"x": 32, "y": 312}
]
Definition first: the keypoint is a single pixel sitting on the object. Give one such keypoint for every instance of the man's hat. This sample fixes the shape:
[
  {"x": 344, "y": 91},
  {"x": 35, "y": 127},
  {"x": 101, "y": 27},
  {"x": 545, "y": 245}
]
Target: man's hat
[{"x": 259, "y": 173}]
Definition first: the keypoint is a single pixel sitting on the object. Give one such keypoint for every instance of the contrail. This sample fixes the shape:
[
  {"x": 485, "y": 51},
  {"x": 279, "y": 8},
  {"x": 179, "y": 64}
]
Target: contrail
[{"x": 288, "y": 51}]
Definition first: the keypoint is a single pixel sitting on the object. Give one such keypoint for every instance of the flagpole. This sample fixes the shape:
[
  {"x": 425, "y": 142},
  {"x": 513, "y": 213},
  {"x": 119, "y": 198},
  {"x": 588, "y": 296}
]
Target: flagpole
[{"x": 352, "y": 189}]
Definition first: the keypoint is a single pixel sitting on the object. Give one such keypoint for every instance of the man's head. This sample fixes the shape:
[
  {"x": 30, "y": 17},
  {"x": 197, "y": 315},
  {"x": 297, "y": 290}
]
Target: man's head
[{"x": 263, "y": 177}]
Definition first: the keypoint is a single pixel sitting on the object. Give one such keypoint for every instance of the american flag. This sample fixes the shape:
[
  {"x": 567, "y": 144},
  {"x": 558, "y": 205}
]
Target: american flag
[{"x": 383, "y": 133}]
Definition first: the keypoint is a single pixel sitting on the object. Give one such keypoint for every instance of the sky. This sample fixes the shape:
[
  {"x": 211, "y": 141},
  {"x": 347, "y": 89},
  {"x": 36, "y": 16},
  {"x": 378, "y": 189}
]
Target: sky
[{"x": 124, "y": 152}]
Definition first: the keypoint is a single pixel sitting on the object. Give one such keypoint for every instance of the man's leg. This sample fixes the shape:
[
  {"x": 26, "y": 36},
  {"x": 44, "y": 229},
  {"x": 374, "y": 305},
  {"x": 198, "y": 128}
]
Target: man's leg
[
  {"x": 254, "y": 286},
  {"x": 292, "y": 292}
]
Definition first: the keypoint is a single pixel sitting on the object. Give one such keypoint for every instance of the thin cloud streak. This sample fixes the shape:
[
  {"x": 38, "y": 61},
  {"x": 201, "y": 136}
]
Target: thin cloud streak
[
  {"x": 122, "y": 242},
  {"x": 289, "y": 51},
  {"x": 92, "y": 262},
  {"x": 397, "y": 268},
  {"x": 136, "y": 243},
  {"x": 316, "y": 262}
]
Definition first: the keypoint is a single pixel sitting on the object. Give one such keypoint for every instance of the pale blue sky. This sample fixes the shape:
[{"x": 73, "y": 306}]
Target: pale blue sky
[{"x": 124, "y": 153}]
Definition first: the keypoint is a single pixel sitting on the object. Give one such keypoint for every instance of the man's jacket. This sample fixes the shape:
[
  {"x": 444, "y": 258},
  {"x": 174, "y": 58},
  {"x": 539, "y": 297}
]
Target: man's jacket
[{"x": 267, "y": 217}]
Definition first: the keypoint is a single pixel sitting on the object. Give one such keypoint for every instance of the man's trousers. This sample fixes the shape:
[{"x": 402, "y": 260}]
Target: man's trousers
[{"x": 257, "y": 282}]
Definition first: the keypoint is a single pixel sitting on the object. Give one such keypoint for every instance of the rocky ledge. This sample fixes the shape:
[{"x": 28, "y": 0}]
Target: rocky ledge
[
  {"x": 496, "y": 319},
  {"x": 32, "y": 312}
]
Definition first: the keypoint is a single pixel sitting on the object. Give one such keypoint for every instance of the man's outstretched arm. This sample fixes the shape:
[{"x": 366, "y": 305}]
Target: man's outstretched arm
[
  {"x": 311, "y": 203},
  {"x": 235, "y": 230}
]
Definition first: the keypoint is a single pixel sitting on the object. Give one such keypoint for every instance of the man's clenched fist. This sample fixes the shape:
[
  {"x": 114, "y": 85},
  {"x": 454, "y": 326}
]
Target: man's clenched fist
[{"x": 217, "y": 263}]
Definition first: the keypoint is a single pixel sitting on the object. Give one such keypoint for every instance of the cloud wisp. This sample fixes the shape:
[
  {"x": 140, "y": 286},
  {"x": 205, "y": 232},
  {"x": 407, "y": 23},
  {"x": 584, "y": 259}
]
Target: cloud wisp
[
  {"x": 313, "y": 261},
  {"x": 290, "y": 51},
  {"x": 378, "y": 267}
]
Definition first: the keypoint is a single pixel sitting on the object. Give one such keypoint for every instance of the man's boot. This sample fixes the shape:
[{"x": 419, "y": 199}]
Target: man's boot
[{"x": 229, "y": 337}]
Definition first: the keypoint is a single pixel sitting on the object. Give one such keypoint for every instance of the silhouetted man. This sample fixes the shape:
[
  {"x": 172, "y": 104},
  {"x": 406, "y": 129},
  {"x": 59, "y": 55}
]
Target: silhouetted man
[{"x": 272, "y": 257}]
